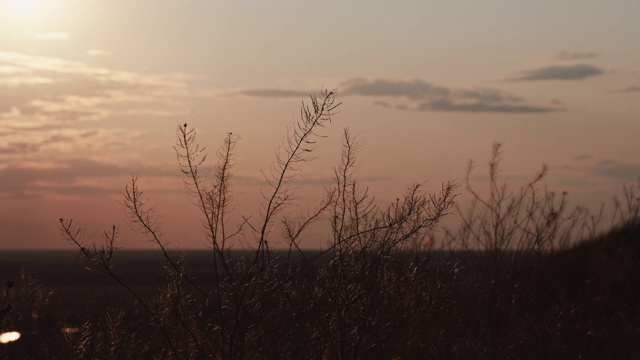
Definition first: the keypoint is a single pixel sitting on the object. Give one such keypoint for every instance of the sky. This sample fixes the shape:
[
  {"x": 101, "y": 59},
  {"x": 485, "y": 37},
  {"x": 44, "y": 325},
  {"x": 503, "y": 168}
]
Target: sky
[{"x": 91, "y": 93}]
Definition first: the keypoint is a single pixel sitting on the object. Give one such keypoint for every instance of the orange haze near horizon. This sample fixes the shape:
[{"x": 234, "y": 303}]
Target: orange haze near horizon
[{"x": 92, "y": 92}]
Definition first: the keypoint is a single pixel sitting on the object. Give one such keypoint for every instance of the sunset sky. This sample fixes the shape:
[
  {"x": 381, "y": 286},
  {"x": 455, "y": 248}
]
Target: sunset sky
[{"x": 92, "y": 92}]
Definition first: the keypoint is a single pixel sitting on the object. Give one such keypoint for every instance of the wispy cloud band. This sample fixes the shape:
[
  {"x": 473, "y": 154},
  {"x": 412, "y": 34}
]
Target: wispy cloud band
[
  {"x": 418, "y": 95},
  {"x": 577, "y": 55},
  {"x": 56, "y": 35},
  {"x": 559, "y": 72}
]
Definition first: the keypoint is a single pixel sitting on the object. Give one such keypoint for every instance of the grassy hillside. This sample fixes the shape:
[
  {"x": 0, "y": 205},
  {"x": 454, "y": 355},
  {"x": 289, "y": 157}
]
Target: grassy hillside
[{"x": 581, "y": 302}]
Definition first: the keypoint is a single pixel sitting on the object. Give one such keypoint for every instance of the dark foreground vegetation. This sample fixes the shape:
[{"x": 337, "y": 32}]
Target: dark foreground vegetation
[{"x": 512, "y": 281}]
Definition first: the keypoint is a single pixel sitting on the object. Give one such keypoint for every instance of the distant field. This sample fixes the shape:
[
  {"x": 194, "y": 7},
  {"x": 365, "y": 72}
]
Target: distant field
[
  {"x": 582, "y": 302},
  {"x": 82, "y": 290},
  {"x": 65, "y": 273}
]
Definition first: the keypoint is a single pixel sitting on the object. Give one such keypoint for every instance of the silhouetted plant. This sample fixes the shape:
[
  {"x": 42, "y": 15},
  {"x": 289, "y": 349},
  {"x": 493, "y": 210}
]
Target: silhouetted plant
[
  {"x": 626, "y": 210},
  {"x": 252, "y": 296},
  {"x": 512, "y": 289},
  {"x": 5, "y": 305},
  {"x": 507, "y": 223}
]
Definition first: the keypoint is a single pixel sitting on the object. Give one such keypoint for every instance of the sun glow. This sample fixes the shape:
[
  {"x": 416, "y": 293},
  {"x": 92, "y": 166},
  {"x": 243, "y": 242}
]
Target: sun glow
[
  {"x": 28, "y": 15},
  {"x": 23, "y": 4}
]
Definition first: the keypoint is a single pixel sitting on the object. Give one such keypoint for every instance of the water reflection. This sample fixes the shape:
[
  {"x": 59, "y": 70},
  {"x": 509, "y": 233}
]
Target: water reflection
[{"x": 9, "y": 336}]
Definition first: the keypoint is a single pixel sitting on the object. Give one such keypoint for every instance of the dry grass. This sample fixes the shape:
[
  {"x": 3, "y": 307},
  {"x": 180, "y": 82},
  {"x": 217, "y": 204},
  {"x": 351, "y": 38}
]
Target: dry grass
[{"x": 514, "y": 285}]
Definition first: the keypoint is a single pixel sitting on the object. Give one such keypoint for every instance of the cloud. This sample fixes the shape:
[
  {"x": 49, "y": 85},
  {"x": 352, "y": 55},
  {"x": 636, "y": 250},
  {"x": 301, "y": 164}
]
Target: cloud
[
  {"x": 53, "y": 111},
  {"x": 270, "y": 93},
  {"x": 78, "y": 177},
  {"x": 576, "y": 55},
  {"x": 416, "y": 89},
  {"x": 59, "y": 35},
  {"x": 424, "y": 96},
  {"x": 382, "y": 103},
  {"x": 419, "y": 95},
  {"x": 630, "y": 89},
  {"x": 97, "y": 52},
  {"x": 18, "y": 148},
  {"x": 557, "y": 102},
  {"x": 20, "y": 142},
  {"x": 482, "y": 107},
  {"x": 78, "y": 76},
  {"x": 617, "y": 170},
  {"x": 47, "y": 93},
  {"x": 583, "y": 157},
  {"x": 559, "y": 72}
]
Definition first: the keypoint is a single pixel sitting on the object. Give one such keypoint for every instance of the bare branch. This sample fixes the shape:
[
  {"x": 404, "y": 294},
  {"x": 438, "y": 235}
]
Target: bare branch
[{"x": 296, "y": 148}]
